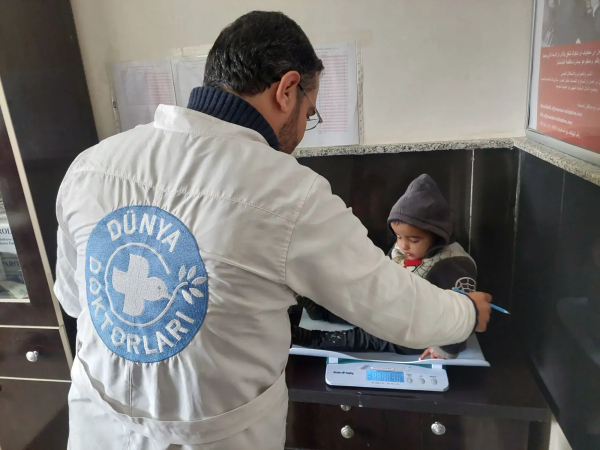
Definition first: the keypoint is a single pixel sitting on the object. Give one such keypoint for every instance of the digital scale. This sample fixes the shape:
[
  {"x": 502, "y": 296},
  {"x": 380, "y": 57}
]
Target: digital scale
[
  {"x": 386, "y": 370},
  {"x": 386, "y": 375}
]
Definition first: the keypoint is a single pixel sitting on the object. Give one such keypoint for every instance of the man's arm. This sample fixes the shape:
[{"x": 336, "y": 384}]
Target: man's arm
[{"x": 332, "y": 261}]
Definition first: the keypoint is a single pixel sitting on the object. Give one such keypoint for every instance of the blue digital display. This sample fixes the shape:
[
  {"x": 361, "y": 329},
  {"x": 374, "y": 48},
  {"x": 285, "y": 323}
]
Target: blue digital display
[{"x": 383, "y": 375}]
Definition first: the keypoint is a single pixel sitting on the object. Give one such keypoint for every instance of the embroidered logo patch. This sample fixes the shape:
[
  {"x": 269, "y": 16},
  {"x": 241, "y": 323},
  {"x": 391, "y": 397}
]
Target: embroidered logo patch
[{"x": 146, "y": 283}]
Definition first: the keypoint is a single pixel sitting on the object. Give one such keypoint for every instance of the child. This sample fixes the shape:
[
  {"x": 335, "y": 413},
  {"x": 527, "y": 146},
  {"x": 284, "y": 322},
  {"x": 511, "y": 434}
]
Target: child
[{"x": 422, "y": 223}]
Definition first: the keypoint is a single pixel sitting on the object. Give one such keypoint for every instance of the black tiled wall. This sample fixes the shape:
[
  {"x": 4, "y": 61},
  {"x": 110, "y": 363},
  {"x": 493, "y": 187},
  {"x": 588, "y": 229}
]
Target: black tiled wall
[
  {"x": 557, "y": 292},
  {"x": 540, "y": 201}
]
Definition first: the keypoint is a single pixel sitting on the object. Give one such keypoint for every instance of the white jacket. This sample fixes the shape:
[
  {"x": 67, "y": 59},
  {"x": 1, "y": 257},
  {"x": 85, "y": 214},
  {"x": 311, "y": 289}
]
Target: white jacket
[{"x": 183, "y": 332}]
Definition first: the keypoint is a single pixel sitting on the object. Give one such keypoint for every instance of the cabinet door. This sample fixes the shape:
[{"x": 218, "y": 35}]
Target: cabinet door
[
  {"x": 25, "y": 297},
  {"x": 33, "y": 415},
  {"x": 472, "y": 433},
  {"x": 312, "y": 426}
]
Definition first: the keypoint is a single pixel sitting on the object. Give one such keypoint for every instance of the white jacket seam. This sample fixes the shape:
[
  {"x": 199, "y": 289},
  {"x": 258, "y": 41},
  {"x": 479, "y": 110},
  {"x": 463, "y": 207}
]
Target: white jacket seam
[
  {"x": 303, "y": 203},
  {"x": 184, "y": 192},
  {"x": 200, "y": 133}
]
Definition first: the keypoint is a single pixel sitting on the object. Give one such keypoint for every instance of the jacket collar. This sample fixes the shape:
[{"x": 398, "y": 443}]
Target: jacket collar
[
  {"x": 229, "y": 107},
  {"x": 184, "y": 120}
]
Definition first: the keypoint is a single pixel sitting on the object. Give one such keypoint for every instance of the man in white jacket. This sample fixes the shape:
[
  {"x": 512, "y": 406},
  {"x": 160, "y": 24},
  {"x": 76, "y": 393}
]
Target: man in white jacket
[{"x": 181, "y": 244}]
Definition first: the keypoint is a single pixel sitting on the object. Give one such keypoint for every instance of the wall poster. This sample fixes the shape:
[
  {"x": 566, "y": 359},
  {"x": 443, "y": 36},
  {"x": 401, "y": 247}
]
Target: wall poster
[{"x": 564, "y": 93}]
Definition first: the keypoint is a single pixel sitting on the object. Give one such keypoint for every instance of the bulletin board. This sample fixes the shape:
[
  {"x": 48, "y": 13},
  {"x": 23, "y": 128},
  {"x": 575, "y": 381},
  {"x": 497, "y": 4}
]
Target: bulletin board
[{"x": 564, "y": 85}]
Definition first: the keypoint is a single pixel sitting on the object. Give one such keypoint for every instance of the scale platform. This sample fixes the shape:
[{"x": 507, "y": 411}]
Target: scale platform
[
  {"x": 387, "y": 370},
  {"x": 386, "y": 375}
]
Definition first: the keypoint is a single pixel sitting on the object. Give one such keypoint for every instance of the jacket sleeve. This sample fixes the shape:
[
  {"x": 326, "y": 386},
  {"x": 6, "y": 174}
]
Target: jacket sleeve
[
  {"x": 331, "y": 260},
  {"x": 65, "y": 288},
  {"x": 458, "y": 272}
]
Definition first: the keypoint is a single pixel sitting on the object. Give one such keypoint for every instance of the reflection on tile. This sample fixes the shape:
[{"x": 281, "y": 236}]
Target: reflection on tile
[
  {"x": 493, "y": 221},
  {"x": 578, "y": 263},
  {"x": 536, "y": 243}
]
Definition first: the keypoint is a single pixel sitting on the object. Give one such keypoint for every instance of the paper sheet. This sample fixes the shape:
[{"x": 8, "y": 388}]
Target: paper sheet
[
  {"x": 188, "y": 73},
  {"x": 140, "y": 86},
  {"x": 338, "y": 100},
  {"x": 17, "y": 290},
  {"x": 471, "y": 356}
]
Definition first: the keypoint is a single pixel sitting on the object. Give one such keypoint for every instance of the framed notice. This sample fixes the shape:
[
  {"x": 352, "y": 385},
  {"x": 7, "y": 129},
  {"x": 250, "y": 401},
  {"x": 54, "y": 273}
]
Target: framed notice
[{"x": 564, "y": 85}]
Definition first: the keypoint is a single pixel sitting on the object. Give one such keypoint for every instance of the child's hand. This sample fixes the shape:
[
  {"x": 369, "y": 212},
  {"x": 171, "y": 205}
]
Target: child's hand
[{"x": 431, "y": 353}]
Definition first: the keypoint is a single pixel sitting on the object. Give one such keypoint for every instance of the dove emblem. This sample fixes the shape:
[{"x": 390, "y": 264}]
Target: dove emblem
[{"x": 137, "y": 286}]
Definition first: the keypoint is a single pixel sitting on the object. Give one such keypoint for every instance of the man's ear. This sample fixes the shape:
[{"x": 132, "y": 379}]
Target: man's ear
[{"x": 287, "y": 91}]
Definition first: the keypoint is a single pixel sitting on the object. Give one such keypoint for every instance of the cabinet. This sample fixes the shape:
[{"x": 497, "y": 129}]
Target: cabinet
[
  {"x": 319, "y": 427},
  {"x": 45, "y": 122},
  {"x": 328, "y": 427},
  {"x": 473, "y": 433}
]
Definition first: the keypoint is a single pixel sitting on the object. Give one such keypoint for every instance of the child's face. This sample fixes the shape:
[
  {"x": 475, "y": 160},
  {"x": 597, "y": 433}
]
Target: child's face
[{"x": 414, "y": 242}]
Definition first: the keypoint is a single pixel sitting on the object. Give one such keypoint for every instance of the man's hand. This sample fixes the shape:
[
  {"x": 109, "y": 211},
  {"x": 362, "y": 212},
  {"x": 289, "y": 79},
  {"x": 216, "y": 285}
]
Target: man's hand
[{"x": 482, "y": 302}]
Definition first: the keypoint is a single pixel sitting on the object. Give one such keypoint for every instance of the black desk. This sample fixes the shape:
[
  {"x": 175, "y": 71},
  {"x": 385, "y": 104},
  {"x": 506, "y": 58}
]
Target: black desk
[{"x": 501, "y": 404}]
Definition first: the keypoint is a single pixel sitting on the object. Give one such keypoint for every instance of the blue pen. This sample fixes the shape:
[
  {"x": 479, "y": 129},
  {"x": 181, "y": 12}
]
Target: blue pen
[{"x": 497, "y": 308}]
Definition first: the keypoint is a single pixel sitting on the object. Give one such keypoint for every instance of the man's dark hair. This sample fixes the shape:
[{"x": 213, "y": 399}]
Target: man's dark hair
[{"x": 256, "y": 50}]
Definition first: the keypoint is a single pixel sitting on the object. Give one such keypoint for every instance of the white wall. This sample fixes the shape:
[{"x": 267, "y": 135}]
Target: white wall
[{"x": 433, "y": 69}]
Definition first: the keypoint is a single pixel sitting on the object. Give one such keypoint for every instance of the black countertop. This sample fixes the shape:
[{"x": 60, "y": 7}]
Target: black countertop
[{"x": 507, "y": 390}]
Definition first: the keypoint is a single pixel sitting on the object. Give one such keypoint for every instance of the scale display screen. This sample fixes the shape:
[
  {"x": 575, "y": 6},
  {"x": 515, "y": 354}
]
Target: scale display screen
[{"x": 385, "y": 375}]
